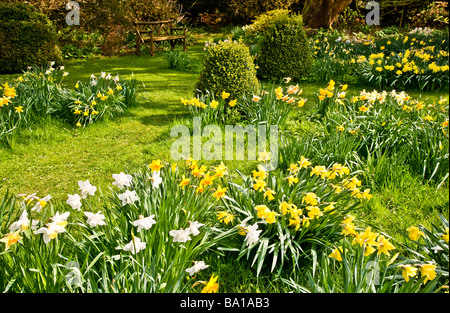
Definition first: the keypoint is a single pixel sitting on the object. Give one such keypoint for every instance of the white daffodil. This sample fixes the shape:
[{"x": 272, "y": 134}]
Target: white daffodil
[
  {"x": 41, "y": 203},
  {"x": 86, "y": 188},
  {"x": 156, "y": 179},
  {"x": 29, "y": 198},
  {"x": 128, "y": 197},
  {"x": 74, "y": 201},
  {"x": 144, "y": 222},
  {"x": 108, "y": 77},
  {"x": 50, "y": 232},
  {"x": 22, "y": 224},
  {"x": 60, "y": 219},
  {"x": 94, "y": 220},
  {"x": 193, "y": 228},
  {"x": 252, "y": 234},
  {"x": 116, "y": 78},
  {"x": 93, "y": 82},
  {"x": 122, "y": 180},
  {"x": 103, "y": 75},
  {"x": 198, "y": 266},
  {"x": 135, "y": 245},
  {"x": 180, "y": 235}
]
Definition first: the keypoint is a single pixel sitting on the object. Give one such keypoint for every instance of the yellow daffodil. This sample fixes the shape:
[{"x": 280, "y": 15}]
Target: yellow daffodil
[
  {"x": 184, "y": 182},
  {"x": 414, "y": 233},
  {"x": 304, "y": 162},
  {"x": 445, "y": 236},
  {"x": 428, "y": 271},
  {"x": 384, "y": 245},
  {"x": 211, "y": 286},
  {"x": 214, "y": 104},
  {"x": 408, "y": 271},
  {"x": 262, "y": 211},
  {"x": 220, "y": 192},
  {"x": 269, "y": 194},
  {"x": 271, "y": 217},
  {"x": 310, "y": 198},
  {"x": 10, "y": 239},
  {"x": 156, "y": 165},
  {"x": 225, "y": 95},
  {"x": 225, "y": 217},
  {"x": 232, "y": 103},
  {"x": 336, "y": 254}
]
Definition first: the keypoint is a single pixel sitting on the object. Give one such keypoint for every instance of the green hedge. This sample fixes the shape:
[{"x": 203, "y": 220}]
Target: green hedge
[
  {"x": 27, "y": 38},
  {"x": 228, "y": 67},
  {"x": 285, "y": 51}
]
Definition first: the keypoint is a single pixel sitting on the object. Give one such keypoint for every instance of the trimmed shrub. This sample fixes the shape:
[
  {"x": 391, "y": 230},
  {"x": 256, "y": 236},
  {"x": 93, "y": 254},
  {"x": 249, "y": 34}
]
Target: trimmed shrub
[
  {"x": 262, "y": 23},
  {"x": 285, "y": 51},
  {"x": 228, "y": 67},
  {"x": 28, "y": 39}
]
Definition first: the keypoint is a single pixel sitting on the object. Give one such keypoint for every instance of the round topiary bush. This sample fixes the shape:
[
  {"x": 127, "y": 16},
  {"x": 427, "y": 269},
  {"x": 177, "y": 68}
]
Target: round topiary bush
[
  {"x": 228, "y": 67},
  {"x": 27, "y": 38},
  {"x": 284, "y": 49}
]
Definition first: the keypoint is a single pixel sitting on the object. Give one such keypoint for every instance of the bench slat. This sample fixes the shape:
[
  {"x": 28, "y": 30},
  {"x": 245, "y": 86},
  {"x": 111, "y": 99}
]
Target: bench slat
[{"x": 151, "y": 32}]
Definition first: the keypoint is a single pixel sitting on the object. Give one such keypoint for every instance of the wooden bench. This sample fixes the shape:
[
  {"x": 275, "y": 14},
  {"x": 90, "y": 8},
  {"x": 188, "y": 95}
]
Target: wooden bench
[{"x": 151, "y": 32}]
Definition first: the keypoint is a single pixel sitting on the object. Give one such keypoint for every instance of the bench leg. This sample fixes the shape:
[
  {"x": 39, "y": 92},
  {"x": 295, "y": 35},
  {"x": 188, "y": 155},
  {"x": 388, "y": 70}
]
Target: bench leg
[
  {"x": 138, "y": 45},
  {"x": 152, "y": 48},
  {"x": 185, "y": 44}
]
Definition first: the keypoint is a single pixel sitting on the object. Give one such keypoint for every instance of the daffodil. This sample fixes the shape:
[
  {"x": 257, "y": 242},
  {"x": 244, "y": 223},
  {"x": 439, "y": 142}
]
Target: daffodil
[
  {"x": 86, "y": 188},
  {"x": 198, "y": 266},
  {"x": 225, "y": 95},
  {"x": 122, "y": 180},
  {"x": 214, "y": 104},
  {"x": 11, "y": 239},
  {"x": 41, "y": 203},
  {"x": 336, "y": 254},
  {"x": 264, "y": 156},
  {"x": 128, "y": 197},
  {"x": 144, "y": 222},
  {"x": 135, "y": 245},
  {"x": 414, "y": 233},
  {"x": 23, "y": 223},
  {"x": 428, "y": 271},
  {"x": 270, "y": 217},
  {"x": 445, "y": 236},
  {"x": 269, "y": 194},
  {"x": 211, "y": 286},
  {"x": 180, "y": 235},
  {"x": 220, "y": 192},
  {"x": 314, "y": 212},
  {"x": 310, "y": 198},
  {"x": 156, "y": 165},
  {"x": 232, "y": 103},
  {"x": 95, "y": 220},
  {"x": 252, "y": 234},
  {"x": 74, "y": 201},
  {"x": 408, "y": 271},
  {"x": 262, "y": 211},
  {"x": 50, "y": 232},
  {"x": 384, "y": 245},
  {"x": 225, "y": 217},
  {"x": 259, "y": 185},
  {"x": 304, "y": 162}
]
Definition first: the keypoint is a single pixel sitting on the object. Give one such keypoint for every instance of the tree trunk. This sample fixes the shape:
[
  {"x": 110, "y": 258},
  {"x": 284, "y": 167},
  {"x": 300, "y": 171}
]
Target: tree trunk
[{"x": 322, "y": 13}]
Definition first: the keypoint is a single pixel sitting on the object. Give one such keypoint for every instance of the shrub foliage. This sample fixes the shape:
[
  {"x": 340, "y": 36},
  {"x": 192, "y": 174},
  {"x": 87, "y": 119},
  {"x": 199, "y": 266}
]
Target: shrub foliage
[{"x": 28, "y": 38}]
